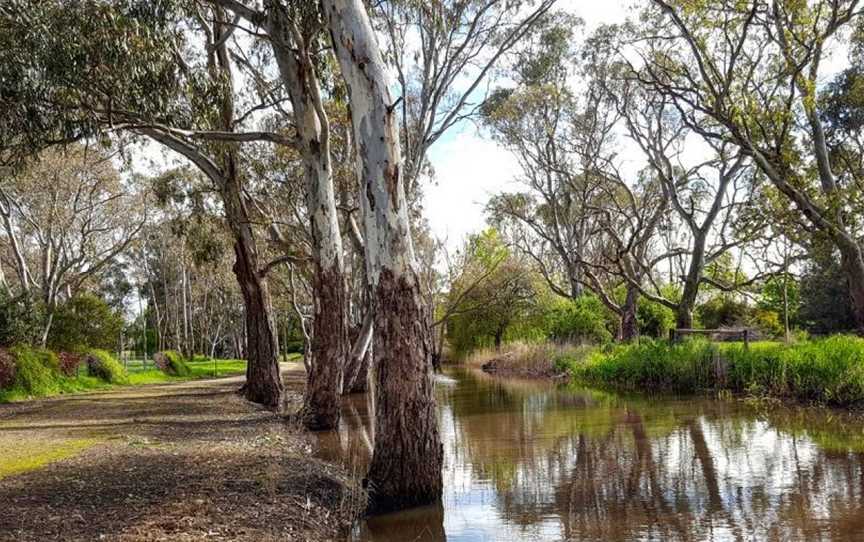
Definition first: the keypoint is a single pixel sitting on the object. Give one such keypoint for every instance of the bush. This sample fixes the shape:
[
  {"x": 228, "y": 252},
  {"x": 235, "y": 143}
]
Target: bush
[
  {"x": 21, "y": 319},
  {"x": 582, "y": 320},
  {"x": 85, "y": 321},
  {"x": 654, "y": 319},
  {"x": 172, "y": 363},
  {"x": 69, "y": 363},
  {"x": 104, "y": 366},
  {"x": 722, "y": 311},
  {"x": 36, "y": 370}
]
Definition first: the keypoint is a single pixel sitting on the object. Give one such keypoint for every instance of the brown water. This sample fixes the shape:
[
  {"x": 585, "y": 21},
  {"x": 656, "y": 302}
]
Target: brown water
[{"x": 529, "y": 461}]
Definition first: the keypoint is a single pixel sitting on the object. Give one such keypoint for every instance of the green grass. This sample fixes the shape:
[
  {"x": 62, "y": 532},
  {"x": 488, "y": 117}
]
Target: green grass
[
  {"x": 29, "y": 456},
  {"x": 37, "y": 374},
  {"x": 829, "y": 371},
  {"x": 197, "y": 370}
]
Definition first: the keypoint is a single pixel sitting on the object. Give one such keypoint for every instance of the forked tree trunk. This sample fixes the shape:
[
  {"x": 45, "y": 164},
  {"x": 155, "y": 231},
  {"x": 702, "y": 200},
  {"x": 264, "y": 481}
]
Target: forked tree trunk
[
  {"x": 406, "y": 464},
  {"x": 329, "y": 344},
  {"x": 357, "y": 369},
  {"x": 629, "y": 323}
]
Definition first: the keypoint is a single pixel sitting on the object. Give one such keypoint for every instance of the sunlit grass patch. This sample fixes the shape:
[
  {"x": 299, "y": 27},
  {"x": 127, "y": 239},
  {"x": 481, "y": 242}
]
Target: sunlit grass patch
[{"x": 28, "y": 455}]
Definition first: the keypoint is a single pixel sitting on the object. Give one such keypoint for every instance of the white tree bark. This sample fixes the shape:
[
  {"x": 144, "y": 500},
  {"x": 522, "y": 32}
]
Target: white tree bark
[{"x": 406, "y": 464}]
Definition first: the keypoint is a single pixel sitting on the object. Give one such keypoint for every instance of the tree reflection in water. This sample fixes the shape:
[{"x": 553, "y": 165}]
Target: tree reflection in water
[{"x": 527, "y": 461}]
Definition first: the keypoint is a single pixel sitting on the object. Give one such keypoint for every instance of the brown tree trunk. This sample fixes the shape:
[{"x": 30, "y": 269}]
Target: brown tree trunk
[
  {"x": 406, "y": 464},
  {"x": 629, "y": 323},
  {"x": 263, "y": 381},
  {"x": 852, "y": 262},
  {"x": 327, "y": 351},
  {"x": 407, "y": 461}
]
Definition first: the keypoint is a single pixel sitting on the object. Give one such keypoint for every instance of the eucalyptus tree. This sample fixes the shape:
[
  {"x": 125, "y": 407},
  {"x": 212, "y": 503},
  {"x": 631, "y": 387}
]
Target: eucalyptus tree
[
  {"x": 541, "y": 121},
  {"x": 66, "y": 217},
  {"x": 407, "y": 460},
  {"x": 749, "y": 73},
  {"x": 707, "y": 189},
  {"x": 132, "y": 69},
  {"x": 445, "y": 55}
]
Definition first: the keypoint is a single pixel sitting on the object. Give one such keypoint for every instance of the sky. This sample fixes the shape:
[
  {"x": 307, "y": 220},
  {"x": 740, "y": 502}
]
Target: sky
[{"x": 469, "y": 166}]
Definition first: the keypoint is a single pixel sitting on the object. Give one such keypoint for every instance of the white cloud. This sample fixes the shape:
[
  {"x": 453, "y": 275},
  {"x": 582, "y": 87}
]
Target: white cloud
[{"x": 468, "y": 170}]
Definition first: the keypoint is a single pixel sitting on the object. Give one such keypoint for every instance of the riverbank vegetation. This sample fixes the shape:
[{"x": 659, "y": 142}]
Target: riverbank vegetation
[{"x": 828, "y": 371}]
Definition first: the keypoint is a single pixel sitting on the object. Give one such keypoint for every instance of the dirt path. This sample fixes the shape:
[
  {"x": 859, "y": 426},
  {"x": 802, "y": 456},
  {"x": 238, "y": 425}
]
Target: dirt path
[{"x": 185, "y": 461}]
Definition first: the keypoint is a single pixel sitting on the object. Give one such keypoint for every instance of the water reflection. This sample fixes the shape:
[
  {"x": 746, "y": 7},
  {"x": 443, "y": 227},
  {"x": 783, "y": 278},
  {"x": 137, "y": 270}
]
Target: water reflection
[{"x": 527, "y": 461}]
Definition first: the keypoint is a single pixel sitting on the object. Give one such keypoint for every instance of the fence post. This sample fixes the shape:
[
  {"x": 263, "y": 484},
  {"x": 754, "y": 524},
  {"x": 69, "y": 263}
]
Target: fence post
[{"x": 746, "y": 339}]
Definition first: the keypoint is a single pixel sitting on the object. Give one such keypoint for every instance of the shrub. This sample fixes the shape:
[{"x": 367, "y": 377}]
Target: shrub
[
  {"x": 69, "y": 363},
  {"x": 722, "y": 311},
  {"x": 21, "y": 319},
  {"x": 85, "y": 320},
  {"x": 654, "y": 319},
  {"x": 104, "y": 366},
  {"x": 36, "y": 370},
  {"x": 581, "y": 320},
  {"x": 172, "y": 363}
]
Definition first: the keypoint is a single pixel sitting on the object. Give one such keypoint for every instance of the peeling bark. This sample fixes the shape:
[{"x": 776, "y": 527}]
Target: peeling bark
[
  {"x": 406, "y": 464},
  {"x": 329, "y": 345}
]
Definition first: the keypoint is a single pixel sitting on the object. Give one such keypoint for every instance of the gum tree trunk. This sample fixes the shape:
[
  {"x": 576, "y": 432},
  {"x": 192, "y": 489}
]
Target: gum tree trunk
[
  {"x": 329, "y": 338},
  {"x": 406, "y": 464},
  {"x": 629, "y": 323},
  {"x": 356, "y": 372}
]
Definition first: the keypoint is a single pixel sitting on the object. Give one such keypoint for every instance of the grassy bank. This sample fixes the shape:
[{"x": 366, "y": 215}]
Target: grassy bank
[
  {"x": 528, "y": 360},
  {"x": 828, "y": 371},
  {"x": 27, "y": 372}
]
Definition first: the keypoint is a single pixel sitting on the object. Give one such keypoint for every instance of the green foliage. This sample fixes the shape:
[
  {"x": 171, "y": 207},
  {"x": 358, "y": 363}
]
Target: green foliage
[
  {"x": 654, "y": 319},
  {"x": 172, "y": 363},
  {"x": 651, "y": 365},
  {"x": 20, "y": 319},
  {"x": 56, "y": 88},
  {"x": 829, "y": 370},
  {"x": 494, "y": 299},
  {"x": 581, "y": 320},
  {"x": 101, "y": 364},
  {"x": 825, "y": 303},
  {"x": 85, "y": 321},
  {"x": 722, "y": 311},
  {"x": 771, "y": 297},
  {"x": 37, "y": 371}
]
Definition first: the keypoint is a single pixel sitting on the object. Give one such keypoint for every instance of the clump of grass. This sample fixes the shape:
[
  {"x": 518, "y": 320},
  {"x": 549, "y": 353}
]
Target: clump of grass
[
  {"x": 103, "y": 365},
  {"x": 528, "y": 359},
  {"x": 172, "y": 363},
  {"x": 829, "y": 371}
]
